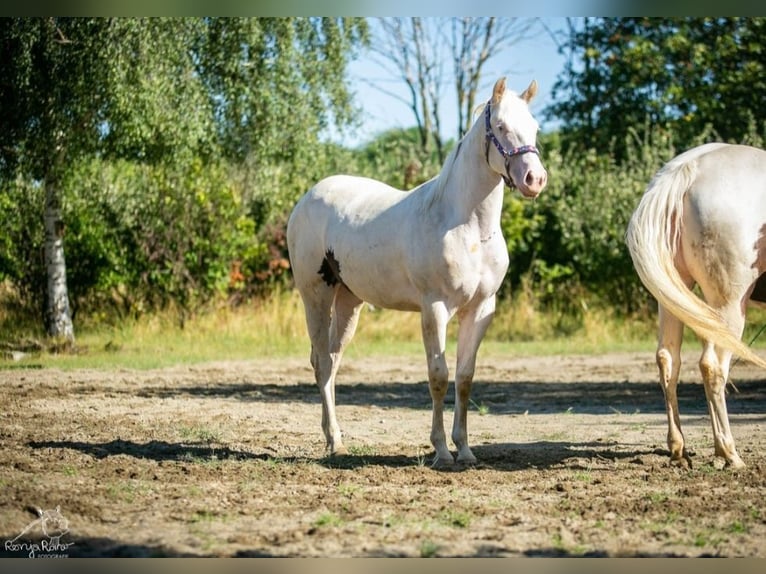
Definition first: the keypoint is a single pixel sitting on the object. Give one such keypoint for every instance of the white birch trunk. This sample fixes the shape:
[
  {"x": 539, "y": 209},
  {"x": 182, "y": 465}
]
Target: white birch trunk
[{"x": 57, "y": 314}]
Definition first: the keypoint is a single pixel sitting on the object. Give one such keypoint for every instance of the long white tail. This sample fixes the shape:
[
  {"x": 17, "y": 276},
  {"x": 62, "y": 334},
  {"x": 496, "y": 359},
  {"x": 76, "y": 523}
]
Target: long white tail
[{"x": 652, "y": 238}]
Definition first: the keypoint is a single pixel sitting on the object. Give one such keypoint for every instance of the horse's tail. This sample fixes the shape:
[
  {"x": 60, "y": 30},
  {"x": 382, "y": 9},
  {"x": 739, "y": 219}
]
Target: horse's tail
[{"x": 653, "y": 236}]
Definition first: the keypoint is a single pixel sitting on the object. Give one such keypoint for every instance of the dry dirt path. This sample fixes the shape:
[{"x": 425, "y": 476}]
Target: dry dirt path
[{"x": 226, "y": 459}]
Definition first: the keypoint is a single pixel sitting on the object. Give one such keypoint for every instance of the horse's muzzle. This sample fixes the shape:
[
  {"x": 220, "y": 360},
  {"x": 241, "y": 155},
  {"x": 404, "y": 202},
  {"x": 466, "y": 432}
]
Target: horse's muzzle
[{"x": 534, "y": 182}]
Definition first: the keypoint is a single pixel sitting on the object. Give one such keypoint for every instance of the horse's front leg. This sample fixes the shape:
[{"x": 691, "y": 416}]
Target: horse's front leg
[
  {"x": 434, "y": 319},
  {"x": 474, "y": 322}
]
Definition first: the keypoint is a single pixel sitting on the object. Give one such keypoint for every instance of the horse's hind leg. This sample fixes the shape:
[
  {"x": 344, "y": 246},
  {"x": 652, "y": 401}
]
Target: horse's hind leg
[
  {"x": 669, "y": 364},
  {"x": 322, "y": 323},
  {"x": 317, "y": 302},
  {"x": 434, "y": 318},
  {"x": 714, "y": 366},
  {"x": 331, "y": 316}
]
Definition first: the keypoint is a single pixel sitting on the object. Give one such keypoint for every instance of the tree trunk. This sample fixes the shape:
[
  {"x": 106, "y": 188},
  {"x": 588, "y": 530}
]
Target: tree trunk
[{"x": 58, "y": 317}]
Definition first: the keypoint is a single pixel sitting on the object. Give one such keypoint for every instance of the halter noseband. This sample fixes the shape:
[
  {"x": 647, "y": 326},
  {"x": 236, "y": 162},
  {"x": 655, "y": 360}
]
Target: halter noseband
[{"x": 506, "y": 153}]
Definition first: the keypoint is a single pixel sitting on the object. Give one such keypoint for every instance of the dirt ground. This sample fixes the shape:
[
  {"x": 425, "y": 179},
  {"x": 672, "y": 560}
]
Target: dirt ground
[{"x": 227, "y": 459}]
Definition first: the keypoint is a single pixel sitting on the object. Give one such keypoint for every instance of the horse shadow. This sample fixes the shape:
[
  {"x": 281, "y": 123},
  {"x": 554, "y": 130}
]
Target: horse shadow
[{"x": 497, "y": 456}]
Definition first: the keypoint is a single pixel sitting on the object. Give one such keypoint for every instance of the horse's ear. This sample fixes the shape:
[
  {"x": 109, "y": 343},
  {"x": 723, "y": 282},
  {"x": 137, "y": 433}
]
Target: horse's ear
[
  {"x": 530, "y": 92},
  {"x": 498, "y": 90}
]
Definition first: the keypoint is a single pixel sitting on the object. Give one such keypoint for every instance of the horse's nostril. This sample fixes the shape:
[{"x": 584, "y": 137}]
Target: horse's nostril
[{"x": 532, "y": 178}]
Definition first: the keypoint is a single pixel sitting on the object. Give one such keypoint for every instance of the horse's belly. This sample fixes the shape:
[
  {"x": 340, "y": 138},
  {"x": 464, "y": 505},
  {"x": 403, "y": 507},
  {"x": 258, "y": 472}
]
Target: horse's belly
[{"x": 381, "y": 284}]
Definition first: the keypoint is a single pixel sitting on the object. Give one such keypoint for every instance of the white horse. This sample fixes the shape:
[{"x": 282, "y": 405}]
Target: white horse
[
  {"x": 702, "y": 221},
  {"x": 437, "y": 249}
]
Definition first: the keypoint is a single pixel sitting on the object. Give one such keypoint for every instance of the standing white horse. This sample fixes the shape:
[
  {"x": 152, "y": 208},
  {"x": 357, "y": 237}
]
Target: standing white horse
[
  {"x": 702, "y": 221},
  {"x": 437, "y": 249}
]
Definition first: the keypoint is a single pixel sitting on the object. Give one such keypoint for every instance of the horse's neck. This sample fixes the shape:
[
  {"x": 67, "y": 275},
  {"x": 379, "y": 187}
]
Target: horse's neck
[{"x": 469, "y": 188}]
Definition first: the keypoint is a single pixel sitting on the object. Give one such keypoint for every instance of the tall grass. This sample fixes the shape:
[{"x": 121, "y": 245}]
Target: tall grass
[{"x": 275, "y": 328}]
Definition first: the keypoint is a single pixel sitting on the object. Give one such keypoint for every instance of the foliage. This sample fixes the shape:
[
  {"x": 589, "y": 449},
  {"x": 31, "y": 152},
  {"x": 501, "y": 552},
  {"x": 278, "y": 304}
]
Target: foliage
[
  {"x": 567, "y": 247},
  {"x": 276, "y": 83},
  {"x": 187, "y": 142},
  {"x": 682, "y": 75},
  {"x": 397, "y": 158},
  {"x": 171, "y": 143}
]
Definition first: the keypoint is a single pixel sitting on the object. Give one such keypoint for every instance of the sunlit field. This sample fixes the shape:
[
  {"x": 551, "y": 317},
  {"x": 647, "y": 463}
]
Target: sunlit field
[{"x": 275, "y": 327}]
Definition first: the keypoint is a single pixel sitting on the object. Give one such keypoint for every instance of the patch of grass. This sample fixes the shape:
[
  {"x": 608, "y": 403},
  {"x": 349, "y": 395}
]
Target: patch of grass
[
  {"x": 422, "y": 458},
  {"x": 482, "y": 408},
  {"x": 661, "y": 525},
  {"x": 362, "y": 450},
  {"x": 705, "y": 538},
  {"x": 738, "y": 527},
  {"x": 428, "y": 549},
  {"x": 658, "y": 497},
  {"x": 328, "y": 519},
  {"x": 455, "y": 518},
  {"x": 204, "y": 516},
  {"x": 199, "y": 434},
  {"x": 126, "y": 491},
  {"x": 554, "y": 436},
  {"x": 560, "y": 545},
  {"x": 583, "y": 476},
  {"x": 348, "y": 490},
  {"x": 69, "y": 470}
]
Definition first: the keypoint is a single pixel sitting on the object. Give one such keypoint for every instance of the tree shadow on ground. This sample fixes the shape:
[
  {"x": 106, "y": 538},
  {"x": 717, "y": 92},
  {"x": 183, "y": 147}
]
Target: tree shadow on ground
[
  {"x": 500, "y": 456},
  {"x": 517, "y": 397},
  {"x": 154, "y": 450}
]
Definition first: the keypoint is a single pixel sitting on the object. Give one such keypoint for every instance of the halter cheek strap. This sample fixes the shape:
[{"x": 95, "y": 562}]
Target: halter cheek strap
[{"x": 506, "y": 153}]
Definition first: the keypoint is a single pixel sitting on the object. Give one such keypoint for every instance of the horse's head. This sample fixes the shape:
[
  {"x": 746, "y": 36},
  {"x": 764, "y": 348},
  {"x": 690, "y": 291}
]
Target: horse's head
[{"x": 511, "y": 134}]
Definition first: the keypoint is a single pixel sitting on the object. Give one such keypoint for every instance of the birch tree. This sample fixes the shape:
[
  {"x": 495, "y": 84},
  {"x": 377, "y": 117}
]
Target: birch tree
[
  {"x": 161, "y": 91},
  {"x": 48, "y": 66}
]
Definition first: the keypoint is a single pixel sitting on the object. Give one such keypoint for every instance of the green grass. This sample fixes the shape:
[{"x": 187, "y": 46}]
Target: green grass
[
  {"x": 428, "y": 549},
  {"x": 328, "y": 519},
  {"x": 275, "y": 328},
  {"x": 200, "y": 434}
]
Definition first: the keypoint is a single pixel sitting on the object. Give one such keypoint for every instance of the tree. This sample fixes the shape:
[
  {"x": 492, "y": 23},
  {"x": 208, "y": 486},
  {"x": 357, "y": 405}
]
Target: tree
[
  {"x": 473, "y": 42},
  {"x": 684, "y": 75},
  {"x": 79, "y": 86},
  {"x": 163, "y": 91},
  {"x": 276, "y": 83},
  {"x": 45, "y": 66},
  {"x": 416, "y": 50}
]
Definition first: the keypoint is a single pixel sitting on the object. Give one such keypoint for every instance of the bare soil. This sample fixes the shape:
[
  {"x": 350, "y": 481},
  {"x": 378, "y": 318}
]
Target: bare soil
[{"x": 227, "y": 459}]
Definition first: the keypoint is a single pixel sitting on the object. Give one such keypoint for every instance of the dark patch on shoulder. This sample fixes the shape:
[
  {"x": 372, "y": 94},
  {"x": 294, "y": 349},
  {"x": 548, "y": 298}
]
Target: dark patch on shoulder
[{"x": 330, "y": 269}]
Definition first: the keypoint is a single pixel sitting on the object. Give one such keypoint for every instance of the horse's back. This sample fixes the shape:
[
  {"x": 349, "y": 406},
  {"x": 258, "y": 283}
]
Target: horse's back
[
  {"x": 729, "y": 190},
  {"x": 340, "y": 199},
  {"x": 360, "y": 227},
  {"x": 348, "y": 193}
]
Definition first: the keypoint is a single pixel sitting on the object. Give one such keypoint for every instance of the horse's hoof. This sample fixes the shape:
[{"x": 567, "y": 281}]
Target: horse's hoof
[
  {"x": 466, "y": 457},
  {"x": 735, "y": 463},
  {"x": 339, "y": 451},
  {"x": 443, "y": 463},
  {"x": 683, "y": 462}
]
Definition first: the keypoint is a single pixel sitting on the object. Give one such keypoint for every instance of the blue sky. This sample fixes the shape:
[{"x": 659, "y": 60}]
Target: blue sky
[{"x": 535, "y": 58}]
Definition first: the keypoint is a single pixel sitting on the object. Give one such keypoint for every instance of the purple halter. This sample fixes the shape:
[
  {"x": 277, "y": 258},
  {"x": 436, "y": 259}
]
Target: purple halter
[{"x": 506, "y": 153}]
